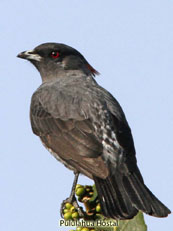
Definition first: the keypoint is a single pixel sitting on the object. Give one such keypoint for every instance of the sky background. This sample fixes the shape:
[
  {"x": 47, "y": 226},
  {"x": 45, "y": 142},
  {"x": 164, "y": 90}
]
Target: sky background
[{"x": 131, "y": 44}]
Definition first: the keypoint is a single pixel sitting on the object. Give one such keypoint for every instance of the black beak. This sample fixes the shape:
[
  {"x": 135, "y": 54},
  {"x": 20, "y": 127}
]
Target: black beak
[
  {"x": 30, "y": 55},
  {"x": 22, "y": 55}
]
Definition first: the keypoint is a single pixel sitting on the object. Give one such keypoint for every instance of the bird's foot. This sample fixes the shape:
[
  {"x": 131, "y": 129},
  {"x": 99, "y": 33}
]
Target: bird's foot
[{"x": 72, "y": 204}]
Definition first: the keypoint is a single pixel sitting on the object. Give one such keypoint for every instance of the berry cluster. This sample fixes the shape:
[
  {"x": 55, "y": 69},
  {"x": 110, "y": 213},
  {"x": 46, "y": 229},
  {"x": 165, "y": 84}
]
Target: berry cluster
[
  {"x": 92, "y": 209},
  {"x": 88, "y": 196},
  {"x": 70, "y": 212}
]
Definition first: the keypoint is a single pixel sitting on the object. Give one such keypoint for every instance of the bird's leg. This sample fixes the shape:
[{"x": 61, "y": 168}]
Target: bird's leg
[
  {"x": 72, "y": 194},
  {"x": 72, "y": 199}
]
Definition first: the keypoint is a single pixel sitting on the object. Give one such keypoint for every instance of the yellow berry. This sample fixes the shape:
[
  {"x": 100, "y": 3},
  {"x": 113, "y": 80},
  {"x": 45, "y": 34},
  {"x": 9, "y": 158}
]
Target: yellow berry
[
  {"x": 85, "y": 229},
  {"x": 98, "y": 208},
  {"x": 80, "y": 191},
  {"x": 79, "y": 186},
  {"x": 68, "y": 216},
  {"x": 75, "y": 215},
  {"x": 72, "y": 209},
  {"x": 65, "y": 211},
  {"x": 79, "y": 229},
  {"x": 88, "y": 189},
  {"x": 68, "y": 205}
]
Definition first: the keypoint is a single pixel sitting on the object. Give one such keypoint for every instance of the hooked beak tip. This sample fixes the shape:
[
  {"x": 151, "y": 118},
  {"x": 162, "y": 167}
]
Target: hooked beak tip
[{"x": 22, "y": 55}]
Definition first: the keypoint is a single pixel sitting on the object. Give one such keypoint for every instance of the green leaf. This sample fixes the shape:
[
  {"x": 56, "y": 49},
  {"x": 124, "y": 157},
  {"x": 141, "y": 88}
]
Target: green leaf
[{"x": 135, "y": 224}]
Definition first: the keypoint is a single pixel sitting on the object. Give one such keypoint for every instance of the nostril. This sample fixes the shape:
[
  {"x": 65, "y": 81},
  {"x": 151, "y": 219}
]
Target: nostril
[{"x": 31, "y": 52}]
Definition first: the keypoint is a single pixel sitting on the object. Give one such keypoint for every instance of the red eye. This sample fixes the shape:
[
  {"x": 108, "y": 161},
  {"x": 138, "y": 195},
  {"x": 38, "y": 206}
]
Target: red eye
[{"x": 55, "y": 54}]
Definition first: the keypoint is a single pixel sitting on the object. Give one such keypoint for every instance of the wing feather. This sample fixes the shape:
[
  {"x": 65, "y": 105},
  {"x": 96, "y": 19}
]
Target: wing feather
[{"x": 72, "y": 140}]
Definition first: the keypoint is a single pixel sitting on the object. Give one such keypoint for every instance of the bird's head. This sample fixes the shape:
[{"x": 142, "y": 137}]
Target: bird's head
[{"x": 55, "y": 59}]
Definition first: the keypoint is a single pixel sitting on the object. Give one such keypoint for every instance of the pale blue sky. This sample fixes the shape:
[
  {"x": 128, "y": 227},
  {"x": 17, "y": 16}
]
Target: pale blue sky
[{"x": 131, "y": 44}]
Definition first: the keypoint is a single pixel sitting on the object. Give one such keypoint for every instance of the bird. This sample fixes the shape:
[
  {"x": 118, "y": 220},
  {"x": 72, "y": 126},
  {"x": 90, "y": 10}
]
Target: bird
[{"x": 84, "y": 127}]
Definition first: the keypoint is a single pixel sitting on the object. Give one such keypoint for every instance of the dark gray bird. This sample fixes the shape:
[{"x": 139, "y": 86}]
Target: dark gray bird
[{"x": 84, "y": 127}]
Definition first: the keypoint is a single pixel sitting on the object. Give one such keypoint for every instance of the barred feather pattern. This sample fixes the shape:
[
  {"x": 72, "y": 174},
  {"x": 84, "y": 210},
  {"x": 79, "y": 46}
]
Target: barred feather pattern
[{"x": 113, "y": 153}]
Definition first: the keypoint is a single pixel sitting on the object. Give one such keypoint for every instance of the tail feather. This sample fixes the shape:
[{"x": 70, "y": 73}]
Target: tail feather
[
  {"x": 123, "y": 205},
  {"x": 150, "y": 204},
  {"x": 136, "y": 193},
  {"x": 106, "y": 204},
  {"x": 117, "y": 201},
  {"x": 113, "y": 199},
  {"x": 122, "y": 196}
]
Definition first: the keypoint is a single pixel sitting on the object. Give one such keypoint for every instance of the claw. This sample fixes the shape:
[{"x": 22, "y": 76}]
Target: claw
[{"x": 73, "y": 201}]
